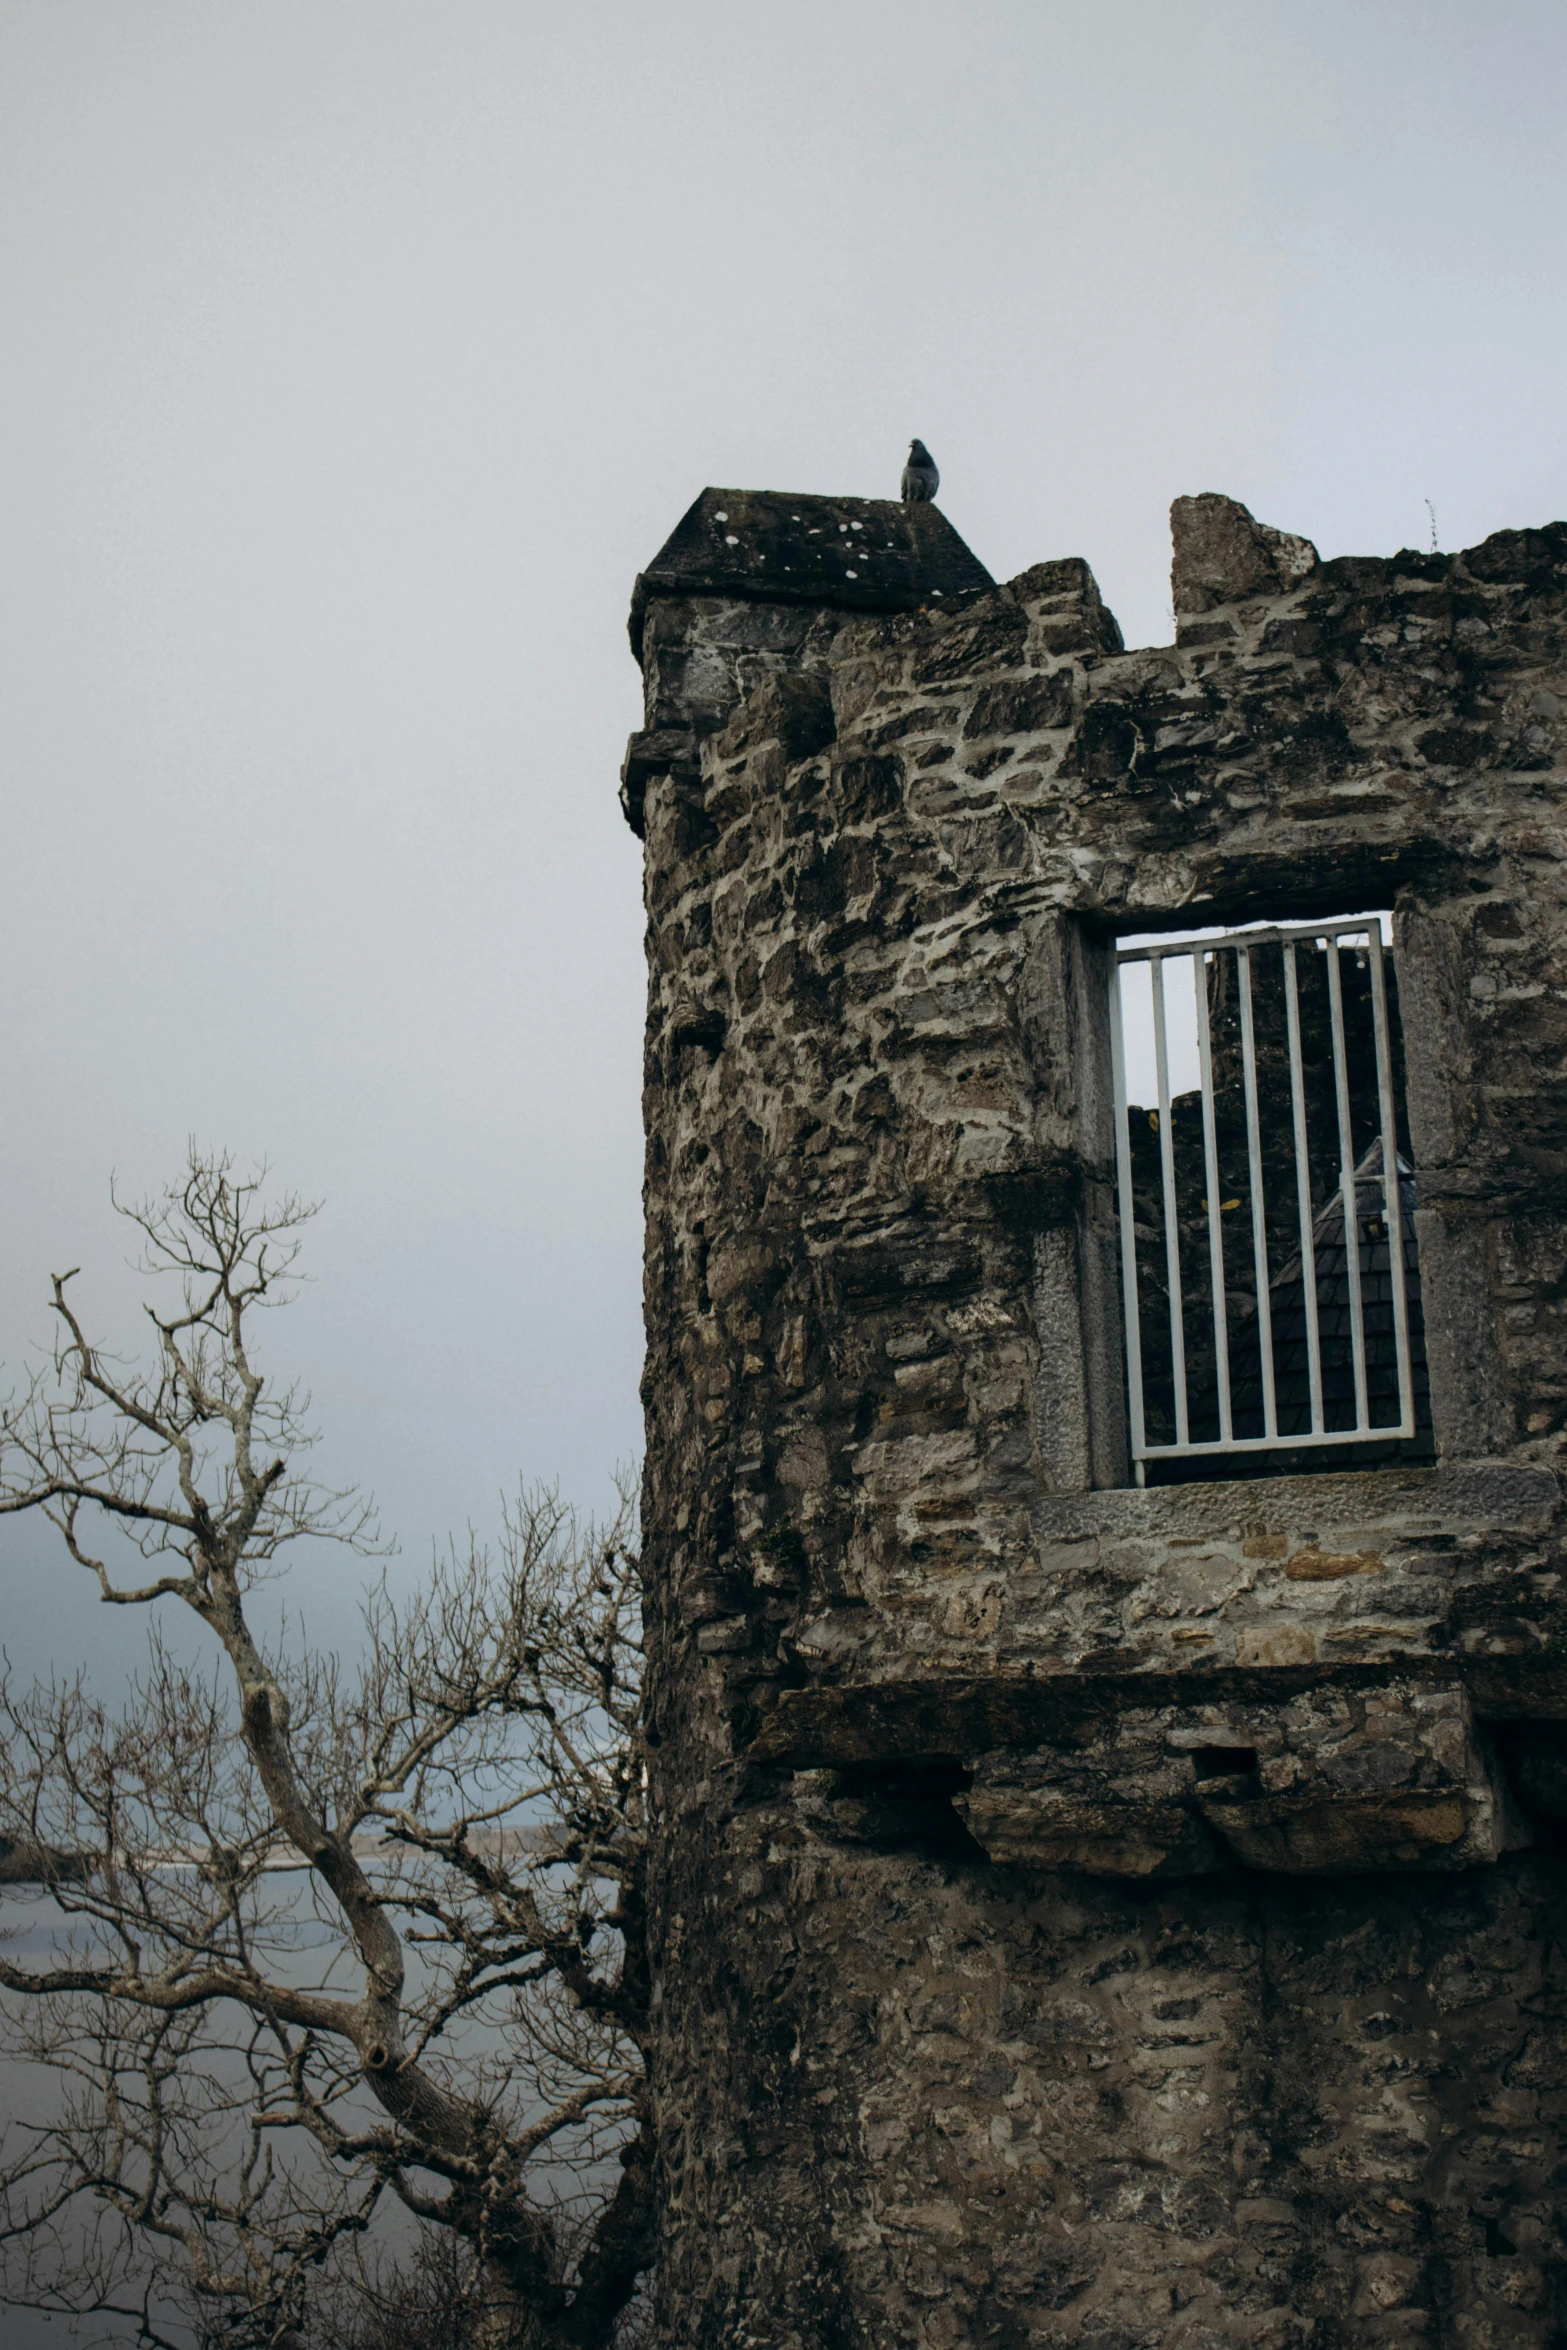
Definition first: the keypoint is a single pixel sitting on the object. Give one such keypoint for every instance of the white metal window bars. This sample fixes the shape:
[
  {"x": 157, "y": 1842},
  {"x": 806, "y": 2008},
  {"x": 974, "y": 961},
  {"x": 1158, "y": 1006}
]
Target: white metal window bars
[{"x": 1201, "y": 953}]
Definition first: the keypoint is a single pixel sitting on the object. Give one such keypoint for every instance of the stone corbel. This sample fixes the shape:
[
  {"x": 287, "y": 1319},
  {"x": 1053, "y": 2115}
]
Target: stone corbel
[{"x": 1331, "y": 1782}]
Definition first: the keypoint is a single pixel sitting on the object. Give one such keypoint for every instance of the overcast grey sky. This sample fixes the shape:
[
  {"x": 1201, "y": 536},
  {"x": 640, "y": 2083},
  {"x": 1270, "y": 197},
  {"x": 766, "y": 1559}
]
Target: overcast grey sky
[{"x": 354, "y": 355}]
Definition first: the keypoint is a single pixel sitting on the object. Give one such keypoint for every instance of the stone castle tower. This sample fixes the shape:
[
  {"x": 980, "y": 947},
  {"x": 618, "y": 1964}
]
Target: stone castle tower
[{"x": 1108, "y": 1841}]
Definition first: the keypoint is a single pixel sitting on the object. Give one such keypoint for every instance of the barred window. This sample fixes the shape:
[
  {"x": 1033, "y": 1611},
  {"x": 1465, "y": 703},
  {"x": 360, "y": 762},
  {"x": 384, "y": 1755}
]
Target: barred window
[{"x": 1266, "y": 1192}]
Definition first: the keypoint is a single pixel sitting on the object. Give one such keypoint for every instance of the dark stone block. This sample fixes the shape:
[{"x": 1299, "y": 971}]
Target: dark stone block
[
  {"x": 1223, "y": 556},
  {"x": 1025, "y": 708}
]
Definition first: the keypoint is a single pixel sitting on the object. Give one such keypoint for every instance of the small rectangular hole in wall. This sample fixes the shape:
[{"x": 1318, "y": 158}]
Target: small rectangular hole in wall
[
  {"x": 1224, "y": 1762},
  {"x": 1270, "y": 1283}
]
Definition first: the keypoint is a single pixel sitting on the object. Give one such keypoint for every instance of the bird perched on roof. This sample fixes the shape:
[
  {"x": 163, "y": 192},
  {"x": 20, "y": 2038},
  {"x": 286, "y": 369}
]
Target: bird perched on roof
[{"x": 921, "y": 481}]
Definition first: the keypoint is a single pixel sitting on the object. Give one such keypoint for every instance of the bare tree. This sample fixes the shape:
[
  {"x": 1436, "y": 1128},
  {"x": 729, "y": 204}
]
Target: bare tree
[{"x": 328, "y": 1945}]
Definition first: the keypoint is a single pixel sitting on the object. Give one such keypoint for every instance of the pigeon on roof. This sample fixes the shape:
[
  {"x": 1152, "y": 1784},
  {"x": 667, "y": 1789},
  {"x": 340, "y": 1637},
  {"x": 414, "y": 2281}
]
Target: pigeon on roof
[{"x": 921, "y": 481}]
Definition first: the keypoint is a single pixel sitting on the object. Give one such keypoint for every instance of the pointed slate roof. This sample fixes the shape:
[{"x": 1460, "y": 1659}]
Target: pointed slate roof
[{"x": 860, "y": 554}]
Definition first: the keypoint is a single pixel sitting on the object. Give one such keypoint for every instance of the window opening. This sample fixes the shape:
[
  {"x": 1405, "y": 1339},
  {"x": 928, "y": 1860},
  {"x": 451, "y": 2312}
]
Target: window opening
[{"x": 1268, "y": 1268}]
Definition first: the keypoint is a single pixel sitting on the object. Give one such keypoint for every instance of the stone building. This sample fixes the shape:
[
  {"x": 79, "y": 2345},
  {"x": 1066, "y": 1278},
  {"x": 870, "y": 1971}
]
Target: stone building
[{"x": 1107, "y": 1870}]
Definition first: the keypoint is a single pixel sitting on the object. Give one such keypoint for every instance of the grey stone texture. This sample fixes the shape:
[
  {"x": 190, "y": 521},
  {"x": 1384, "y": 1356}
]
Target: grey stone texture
[
  {"x": 1085, "y": 1914},
  {"x": 738, "y": 592}
]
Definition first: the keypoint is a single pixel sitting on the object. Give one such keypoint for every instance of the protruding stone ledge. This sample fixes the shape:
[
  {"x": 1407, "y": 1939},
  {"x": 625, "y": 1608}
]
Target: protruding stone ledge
[
  {"x": 1449, "y": 1497},
  {"x": 917, "y": 1718},
  {"x": 1327, "y": 1783},
  {"x": 660, "y": 750}
]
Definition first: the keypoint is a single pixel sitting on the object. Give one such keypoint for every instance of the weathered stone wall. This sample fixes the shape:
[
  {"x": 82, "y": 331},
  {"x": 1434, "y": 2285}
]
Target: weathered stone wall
[
  {"x": 916, "y": 2098},
  {"x": 995, "y": 2006}
]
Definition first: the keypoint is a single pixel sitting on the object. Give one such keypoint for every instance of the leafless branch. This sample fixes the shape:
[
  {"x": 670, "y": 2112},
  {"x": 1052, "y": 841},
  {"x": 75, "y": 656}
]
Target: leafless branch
[{"x": 320, "y": 1943}]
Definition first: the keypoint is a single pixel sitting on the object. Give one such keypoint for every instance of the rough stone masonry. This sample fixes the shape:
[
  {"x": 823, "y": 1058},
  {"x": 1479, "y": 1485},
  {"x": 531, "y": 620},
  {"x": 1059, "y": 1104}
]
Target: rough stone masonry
[{"x": 1087, "y": 1914}]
